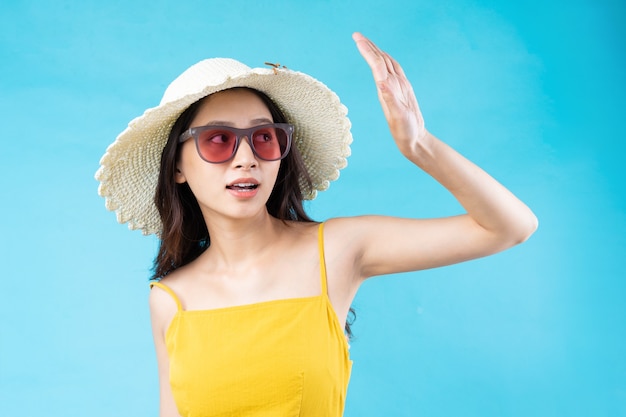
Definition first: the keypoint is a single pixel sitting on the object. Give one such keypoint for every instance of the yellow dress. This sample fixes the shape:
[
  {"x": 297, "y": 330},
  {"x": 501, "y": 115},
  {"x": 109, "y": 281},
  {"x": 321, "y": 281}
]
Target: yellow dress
[{"x": 278, "y": 358}]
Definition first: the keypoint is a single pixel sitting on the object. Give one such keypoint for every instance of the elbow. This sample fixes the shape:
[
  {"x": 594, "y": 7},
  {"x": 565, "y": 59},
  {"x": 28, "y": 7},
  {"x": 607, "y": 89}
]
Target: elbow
[
  {"x": 524, "y": 228},
  {"x": 514, "y": 232}
]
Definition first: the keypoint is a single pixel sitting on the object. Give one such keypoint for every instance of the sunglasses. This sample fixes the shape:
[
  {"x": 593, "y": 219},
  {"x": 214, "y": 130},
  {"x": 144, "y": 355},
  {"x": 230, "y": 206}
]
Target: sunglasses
[{"x": 217, "y": 144}]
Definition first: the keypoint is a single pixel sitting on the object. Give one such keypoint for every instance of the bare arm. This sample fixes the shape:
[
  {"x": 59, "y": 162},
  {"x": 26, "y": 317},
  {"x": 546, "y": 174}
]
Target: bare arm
[
  {"x": 495, "y": 218},
  {"x": 162, "y": 309}
]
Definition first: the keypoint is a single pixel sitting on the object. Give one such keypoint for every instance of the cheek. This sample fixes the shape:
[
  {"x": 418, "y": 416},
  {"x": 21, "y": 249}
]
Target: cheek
[
  {"x": 192, "y": 169},
  {"x": 204, "y": 185},
  {"x": 186, "y": 164}
]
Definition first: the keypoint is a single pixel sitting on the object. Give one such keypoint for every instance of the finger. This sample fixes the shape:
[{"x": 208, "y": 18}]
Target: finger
[
  {"x": 388, "y": 63},
  {"x": 397, "y": 68},
  {"x": 374, "y": 57},
  {"x": 359, "y": 38},
  {"x": 367, "y": 47},
  {"x": 393, "y": 87}
]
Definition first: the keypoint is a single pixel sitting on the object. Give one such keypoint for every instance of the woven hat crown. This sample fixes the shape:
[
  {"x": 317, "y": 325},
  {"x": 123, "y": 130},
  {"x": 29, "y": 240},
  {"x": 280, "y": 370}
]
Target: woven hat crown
[{"x": 210, "y": 72}]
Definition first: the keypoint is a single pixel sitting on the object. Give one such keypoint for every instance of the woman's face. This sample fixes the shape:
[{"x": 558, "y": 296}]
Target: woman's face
[{"x": 239, "y": 187}]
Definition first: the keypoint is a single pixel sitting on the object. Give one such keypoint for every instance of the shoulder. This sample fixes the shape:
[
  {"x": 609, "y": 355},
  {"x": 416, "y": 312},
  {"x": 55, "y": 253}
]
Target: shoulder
[
  {"x": 344, "y": 240},
  {"x": 159, "y": 297},
  {"x": 335, "y": 227},
  {"x": 163, "y": 303},
  {"x": 299, "y": 227},
  {"x": 360, "y": 243},
  {"x": 349, "y": 232},
  {"x": 293, "y": 234}
]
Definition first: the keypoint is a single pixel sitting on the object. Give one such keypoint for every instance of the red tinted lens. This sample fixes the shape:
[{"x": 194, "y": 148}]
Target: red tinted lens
[
  {"x": 216, "y": 145},
  {"x": 269, "y": 142}
]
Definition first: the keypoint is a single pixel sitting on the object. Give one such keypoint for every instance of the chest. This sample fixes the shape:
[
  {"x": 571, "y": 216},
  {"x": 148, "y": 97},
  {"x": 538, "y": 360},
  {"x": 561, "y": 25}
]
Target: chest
[
  {"x": 272, "y": 279},
  {"x": 270, "y": 358}
]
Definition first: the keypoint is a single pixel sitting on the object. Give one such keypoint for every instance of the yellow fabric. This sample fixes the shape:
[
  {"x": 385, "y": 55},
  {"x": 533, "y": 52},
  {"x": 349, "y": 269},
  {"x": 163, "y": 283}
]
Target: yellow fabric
[{"x": 277, "y": 358}]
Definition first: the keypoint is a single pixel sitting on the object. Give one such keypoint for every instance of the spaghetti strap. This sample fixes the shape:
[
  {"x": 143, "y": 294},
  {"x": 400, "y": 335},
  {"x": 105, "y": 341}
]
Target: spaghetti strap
[
  {"x": 320, "y": 244},
  {"x": 169, "y": 291}
]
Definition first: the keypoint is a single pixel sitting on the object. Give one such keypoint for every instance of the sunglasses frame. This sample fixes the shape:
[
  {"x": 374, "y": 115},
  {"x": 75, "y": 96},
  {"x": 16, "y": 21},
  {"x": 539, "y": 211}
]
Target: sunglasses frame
[{"x": 195, "y": 132}]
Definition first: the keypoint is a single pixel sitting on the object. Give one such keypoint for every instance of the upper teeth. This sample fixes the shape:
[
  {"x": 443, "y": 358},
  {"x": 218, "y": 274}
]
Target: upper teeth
[{"x": 244, "y": 185}]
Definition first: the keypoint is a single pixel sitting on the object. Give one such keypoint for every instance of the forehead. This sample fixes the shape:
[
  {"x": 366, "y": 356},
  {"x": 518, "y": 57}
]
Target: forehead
[
  {"x": 236, "y": 107},
  {"x": 235, "y": 100}
]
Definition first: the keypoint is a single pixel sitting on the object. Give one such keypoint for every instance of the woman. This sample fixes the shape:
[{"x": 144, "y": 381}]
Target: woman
[{"x": 252, "y": 296}]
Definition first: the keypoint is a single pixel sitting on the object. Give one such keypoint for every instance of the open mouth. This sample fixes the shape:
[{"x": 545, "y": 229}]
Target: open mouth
[{"x": 242, "y": 186}]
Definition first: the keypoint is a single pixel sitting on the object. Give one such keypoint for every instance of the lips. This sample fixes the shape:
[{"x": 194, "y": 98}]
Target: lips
[{"x": 243, "y": 184}]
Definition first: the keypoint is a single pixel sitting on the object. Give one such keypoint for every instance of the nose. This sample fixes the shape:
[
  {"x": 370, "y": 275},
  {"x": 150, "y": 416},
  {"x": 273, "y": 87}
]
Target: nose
[{"x": 244, "y": 157}]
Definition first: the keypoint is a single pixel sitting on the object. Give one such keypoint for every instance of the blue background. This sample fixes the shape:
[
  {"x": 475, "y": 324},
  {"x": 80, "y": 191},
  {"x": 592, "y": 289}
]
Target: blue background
[{"x": 532, "y": 91}]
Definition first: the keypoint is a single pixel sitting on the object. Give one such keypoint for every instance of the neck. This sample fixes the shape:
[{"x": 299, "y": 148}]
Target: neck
[{"x": 236, "y": 243}]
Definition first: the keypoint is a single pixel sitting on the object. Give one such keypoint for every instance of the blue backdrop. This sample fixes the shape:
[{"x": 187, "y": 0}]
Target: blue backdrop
[{"x": 532, "y": 92}]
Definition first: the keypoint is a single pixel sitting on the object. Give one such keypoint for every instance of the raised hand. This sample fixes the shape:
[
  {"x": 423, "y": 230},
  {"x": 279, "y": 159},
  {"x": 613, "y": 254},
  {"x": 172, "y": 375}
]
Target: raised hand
[{"x": 396, "y": 96}]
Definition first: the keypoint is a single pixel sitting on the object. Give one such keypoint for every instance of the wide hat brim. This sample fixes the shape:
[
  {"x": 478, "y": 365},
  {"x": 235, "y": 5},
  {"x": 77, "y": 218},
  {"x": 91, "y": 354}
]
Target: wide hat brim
[{"x": 129, "y": 169}]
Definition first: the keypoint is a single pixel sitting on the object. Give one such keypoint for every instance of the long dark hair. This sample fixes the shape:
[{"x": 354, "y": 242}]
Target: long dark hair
[{"x": 185, "y": 235}]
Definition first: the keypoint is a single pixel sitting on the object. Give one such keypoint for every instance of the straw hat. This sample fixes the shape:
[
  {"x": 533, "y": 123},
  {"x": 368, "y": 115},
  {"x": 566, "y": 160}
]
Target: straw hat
[{"x": 129, "y": 169}]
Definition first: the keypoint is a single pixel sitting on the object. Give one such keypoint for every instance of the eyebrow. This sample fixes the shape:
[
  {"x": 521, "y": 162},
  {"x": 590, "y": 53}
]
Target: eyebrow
[{"x": 259, "y": 121}]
